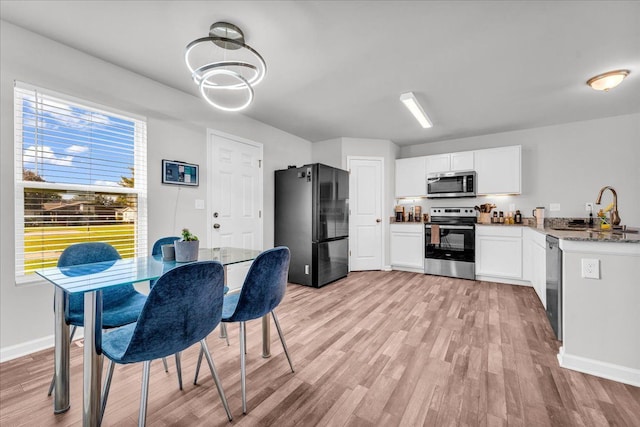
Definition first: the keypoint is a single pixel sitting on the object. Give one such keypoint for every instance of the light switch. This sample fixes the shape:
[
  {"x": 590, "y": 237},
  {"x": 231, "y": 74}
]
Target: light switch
[{"x": 199, "y": 204}]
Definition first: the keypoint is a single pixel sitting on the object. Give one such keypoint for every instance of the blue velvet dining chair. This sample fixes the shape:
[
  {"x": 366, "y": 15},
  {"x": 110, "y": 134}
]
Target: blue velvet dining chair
[
  {"x": 120, "y": 305},
  {"x": 183, "y": 307},
  {"x": 155, "y": 251},
  {"x": 263, "y": 290}
]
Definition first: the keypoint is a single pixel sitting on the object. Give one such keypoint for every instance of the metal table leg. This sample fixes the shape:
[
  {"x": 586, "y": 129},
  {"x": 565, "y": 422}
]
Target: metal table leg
[
  {"x": 92, "y": 369},
  {"x": 61, "y": 355}
]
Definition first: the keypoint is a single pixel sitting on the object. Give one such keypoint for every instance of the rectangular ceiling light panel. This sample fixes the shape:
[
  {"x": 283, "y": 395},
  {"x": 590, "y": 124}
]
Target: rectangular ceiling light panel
[{"x": 410, "y": 101}]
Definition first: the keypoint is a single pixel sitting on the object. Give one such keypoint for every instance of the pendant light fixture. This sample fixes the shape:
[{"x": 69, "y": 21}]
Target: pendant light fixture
[
  {"x": 607, "y": 80},
  {"x": 224, "y": 67}
]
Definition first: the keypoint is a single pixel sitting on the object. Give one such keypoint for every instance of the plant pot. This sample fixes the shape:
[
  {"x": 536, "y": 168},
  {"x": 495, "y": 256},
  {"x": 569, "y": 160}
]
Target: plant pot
[
  {"x": 187, "y": 251},
  {"x": 168, "y": 252}
]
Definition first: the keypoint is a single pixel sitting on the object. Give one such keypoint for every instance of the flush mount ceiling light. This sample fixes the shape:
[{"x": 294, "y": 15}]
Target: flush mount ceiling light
[
  {"x": 608, "y": 80},
  {"x": 224, "y": 67},
  {"x": 410, "y": 101}
]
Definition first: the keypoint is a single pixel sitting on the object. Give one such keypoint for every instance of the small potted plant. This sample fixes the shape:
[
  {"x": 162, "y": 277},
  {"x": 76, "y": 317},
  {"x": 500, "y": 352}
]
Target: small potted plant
[{"x": 187, "y": 248}]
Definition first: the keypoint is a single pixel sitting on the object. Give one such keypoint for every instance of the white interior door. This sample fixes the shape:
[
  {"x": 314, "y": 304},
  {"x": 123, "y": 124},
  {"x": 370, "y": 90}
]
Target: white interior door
[
  {"x": 365, "y": 222},
  {"x": 235, "y": 201}
]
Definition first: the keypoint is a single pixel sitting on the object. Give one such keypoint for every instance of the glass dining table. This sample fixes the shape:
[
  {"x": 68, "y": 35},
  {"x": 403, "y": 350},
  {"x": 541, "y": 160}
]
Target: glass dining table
[{"x": 90, "y": 280}]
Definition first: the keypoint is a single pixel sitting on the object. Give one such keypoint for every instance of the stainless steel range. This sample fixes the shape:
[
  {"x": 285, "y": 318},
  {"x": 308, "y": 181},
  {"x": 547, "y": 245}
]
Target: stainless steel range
[{"x": 449, "y": 244}]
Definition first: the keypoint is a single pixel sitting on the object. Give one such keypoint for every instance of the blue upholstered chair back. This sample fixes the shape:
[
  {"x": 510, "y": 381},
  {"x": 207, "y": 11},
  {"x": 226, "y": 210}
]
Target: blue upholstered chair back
[
  {"x": 183, "y": 307},
  {"x": 157, "y": 246},
  {"x": 87, "y": 253},
  {"x": 265, "y": 285}
]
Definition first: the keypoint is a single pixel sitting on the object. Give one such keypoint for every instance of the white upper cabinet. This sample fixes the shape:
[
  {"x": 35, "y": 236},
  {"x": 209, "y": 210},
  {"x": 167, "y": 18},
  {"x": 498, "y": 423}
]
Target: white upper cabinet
[
  {"x": 462, "y": 161},
  {"x": 450, "y": 162},
  {"x": 411, "y": 177},
  {"x": 498, "y": 170},
  {"x": 438, "y": 163}
]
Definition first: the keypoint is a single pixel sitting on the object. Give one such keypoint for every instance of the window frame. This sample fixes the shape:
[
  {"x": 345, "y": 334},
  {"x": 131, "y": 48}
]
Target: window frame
[{"x": 140, "y": 163}]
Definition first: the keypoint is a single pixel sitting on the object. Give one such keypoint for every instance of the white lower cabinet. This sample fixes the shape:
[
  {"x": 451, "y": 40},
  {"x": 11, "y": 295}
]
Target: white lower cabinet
[
  {"x": 512, "y": 254},
  {"x": 407, "y": 247},
  {"x": 534, "y": 262},
  {"x": 499, "y": 252}
]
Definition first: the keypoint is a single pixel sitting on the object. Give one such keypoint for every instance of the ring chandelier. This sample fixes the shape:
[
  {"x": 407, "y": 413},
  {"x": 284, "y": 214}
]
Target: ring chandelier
[{"x": 224, "y": 67}]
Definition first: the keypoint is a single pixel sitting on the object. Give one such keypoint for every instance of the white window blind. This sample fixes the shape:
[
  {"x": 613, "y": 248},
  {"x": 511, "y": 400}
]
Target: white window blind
[{"x": 80, "y": 175}]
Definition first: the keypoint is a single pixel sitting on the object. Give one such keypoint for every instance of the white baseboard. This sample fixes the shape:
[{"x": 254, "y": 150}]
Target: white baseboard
[
  {"x": 518, "y": 282},
  {"x": 14, "y": 351},
  {"x": 410, "y": 269},
  {"x": 386, "y": 268},
  {"x": 606, "y": 370}
]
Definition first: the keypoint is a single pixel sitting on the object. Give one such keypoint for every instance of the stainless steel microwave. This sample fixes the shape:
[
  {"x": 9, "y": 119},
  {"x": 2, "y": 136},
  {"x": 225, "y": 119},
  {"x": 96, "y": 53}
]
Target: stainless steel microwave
[{"x": 451, "y": 184}]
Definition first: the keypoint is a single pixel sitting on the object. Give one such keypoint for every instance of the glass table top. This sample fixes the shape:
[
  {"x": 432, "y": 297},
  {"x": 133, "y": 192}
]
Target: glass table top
[{"x": 91, "y": 277}]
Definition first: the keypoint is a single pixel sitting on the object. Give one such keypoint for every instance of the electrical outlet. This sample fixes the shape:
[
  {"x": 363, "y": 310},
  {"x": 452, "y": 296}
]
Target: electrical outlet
[
  {"x": 554, "y": 207},
  {"x": 590, "y": 268},
  {"x": 588, "y": 207},
  {"x": 199, "y": 204}
]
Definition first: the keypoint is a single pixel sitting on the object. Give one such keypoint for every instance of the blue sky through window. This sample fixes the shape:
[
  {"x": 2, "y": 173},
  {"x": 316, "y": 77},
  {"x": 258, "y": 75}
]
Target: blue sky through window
[{"x": 68, "y": 144}]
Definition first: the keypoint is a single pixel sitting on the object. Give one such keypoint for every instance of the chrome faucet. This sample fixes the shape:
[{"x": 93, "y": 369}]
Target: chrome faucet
[{"x": 615, "y": 218}]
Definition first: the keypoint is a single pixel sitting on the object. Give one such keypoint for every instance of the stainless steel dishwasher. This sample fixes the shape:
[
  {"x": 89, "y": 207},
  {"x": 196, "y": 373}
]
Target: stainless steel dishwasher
[{"x": 554, "y": 285}]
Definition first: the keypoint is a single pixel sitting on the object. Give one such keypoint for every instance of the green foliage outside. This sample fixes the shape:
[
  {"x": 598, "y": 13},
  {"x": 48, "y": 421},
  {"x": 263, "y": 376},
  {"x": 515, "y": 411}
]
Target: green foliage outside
[{"x": 43, "y": 245}]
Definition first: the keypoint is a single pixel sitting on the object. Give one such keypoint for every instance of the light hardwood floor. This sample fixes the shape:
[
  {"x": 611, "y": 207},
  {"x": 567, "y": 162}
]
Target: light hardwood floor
[{"x": 376, "y": 348}]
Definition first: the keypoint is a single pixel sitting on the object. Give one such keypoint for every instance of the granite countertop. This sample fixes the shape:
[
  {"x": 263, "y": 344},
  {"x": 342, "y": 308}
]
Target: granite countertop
[{"x": 617, "y": 236}]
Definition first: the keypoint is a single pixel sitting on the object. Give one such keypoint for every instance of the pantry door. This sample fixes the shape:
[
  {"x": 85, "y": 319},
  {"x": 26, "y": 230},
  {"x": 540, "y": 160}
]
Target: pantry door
[
  {"x": 234, "y": 205},
  {"x": 365, "y": 205}
]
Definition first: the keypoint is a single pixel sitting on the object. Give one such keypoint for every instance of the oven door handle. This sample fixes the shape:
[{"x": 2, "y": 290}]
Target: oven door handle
[{"x": 453, "y": 227}]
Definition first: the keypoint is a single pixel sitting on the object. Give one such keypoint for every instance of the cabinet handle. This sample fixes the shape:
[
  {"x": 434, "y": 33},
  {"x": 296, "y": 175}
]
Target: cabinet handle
[{"x": 378, "y": 220}]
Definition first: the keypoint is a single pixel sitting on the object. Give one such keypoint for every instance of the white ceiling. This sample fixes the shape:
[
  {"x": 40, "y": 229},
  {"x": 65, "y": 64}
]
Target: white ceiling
[{"x": 337, "y": 69}]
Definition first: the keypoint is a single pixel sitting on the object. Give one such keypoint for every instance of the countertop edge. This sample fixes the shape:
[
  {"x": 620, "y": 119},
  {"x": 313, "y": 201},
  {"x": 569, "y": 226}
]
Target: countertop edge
[{"x": 578, "y": 236}]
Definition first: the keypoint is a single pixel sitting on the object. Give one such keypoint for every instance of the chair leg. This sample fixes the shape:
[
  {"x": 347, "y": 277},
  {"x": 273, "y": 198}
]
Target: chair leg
[
  {"x": 179, "y": 369},
  {"x": 204, "y": 349},
  {"x": 164, "y": 362},
  {"x": 245, "y": 339},
  {"x": 243, "y": 373},
  {"x": 223, "y": 332},
  {"x": 284, "y": 344},
  {"x": 144, "y": 395},
  {"x": 53, "y": 380},
  {"x": 195, "y": 378},
  {"x": 106, "y": 387}
]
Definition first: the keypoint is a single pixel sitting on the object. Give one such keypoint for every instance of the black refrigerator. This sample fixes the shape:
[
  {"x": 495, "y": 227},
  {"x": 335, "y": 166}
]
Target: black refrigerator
[{"x": 312, "y": 219}]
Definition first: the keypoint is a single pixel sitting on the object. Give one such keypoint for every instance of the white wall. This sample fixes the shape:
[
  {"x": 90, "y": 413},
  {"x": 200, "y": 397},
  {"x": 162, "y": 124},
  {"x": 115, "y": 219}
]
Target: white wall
[
  {"x": 177, "y": 124},
  {"x": 328, "y": 152},
  {"x": 566, "y": 164}
]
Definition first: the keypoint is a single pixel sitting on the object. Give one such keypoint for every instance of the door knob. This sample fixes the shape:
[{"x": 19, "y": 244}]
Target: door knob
[
  {"x": 378, "y": 220},
  {"x": 216, "y": 226}
]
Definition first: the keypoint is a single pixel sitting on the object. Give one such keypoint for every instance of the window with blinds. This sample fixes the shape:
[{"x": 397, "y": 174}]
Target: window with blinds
[{"x": 80, "y": 175}]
